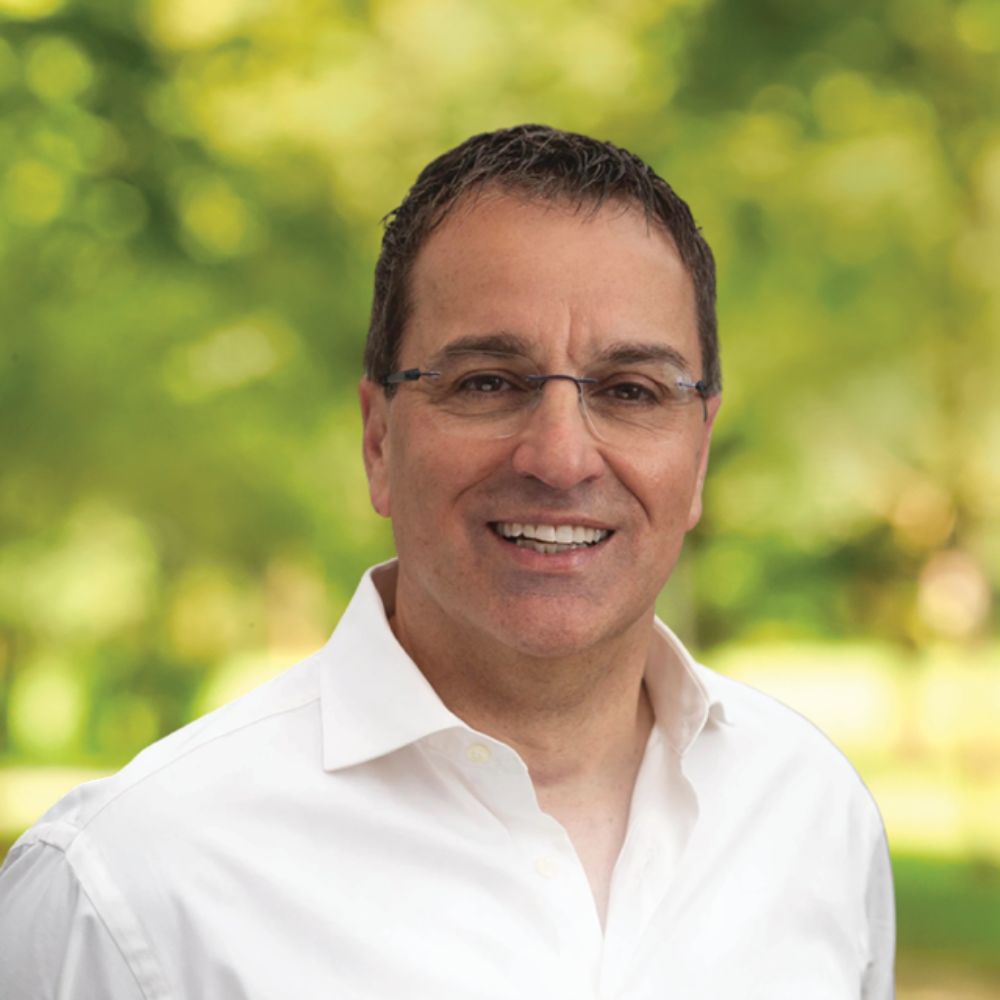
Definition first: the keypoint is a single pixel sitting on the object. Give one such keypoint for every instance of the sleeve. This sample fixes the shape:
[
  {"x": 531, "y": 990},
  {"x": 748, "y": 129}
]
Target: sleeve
[
  {"x": 880, "y": 912},
  {"x": 54, "y": 945}
]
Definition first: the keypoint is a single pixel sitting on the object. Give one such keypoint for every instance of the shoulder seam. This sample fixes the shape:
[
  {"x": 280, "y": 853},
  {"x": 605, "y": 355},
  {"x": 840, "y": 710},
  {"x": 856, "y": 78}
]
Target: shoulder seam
[
  {"x": 180, "y": 756},
  {"x": 164, "y": 994},
  {"x": 152, "y": 982}
]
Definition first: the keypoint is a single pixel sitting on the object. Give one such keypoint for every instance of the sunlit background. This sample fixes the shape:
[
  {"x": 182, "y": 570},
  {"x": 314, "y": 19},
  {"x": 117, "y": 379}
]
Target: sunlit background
[{"x": 190, "y": 195}]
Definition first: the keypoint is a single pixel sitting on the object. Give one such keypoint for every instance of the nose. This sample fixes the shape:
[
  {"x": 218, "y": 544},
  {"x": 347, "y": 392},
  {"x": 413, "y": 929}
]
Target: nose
[{"x": 556, "y": 444}]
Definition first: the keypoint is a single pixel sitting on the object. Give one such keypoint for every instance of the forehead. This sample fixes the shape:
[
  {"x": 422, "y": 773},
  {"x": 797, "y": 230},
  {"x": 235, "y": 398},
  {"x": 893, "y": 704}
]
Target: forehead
[{"x": 567, "y": 281}]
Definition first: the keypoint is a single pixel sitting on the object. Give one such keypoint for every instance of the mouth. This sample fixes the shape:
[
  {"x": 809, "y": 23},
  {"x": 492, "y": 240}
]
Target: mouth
[{"x": 550, "y": 539}]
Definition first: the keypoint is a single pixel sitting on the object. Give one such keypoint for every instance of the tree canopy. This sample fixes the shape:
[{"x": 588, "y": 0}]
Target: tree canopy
[{"x": 190, "y": 196}]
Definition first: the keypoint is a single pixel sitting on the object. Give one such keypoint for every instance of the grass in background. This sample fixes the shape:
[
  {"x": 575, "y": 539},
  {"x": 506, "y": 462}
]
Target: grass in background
[{"x": 948, "y": 917}]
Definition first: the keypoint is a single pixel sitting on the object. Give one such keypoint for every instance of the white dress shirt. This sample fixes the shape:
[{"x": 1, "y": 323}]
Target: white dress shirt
[{"x": 339, "y": 834}]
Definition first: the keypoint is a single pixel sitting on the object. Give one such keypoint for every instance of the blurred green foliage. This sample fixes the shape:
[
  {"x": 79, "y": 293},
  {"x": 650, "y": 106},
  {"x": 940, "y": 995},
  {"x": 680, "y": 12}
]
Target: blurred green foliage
[
  {"x": 190, "y": 193},
  {"x": 949, "y": 913}
]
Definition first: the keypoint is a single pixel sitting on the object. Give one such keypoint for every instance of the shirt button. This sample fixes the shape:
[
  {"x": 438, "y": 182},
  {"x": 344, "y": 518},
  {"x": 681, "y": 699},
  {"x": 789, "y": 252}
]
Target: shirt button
[
  {"x": 479, "y": 753},
  {"x": 547, "y": 867}
]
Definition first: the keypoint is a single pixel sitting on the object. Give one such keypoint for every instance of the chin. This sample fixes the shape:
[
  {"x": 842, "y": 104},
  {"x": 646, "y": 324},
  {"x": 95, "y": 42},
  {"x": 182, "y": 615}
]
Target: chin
[{"x": 543, "y": 631}]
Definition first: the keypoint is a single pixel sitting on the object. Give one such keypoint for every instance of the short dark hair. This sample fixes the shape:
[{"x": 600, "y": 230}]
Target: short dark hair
[{"x": 540, "y": 163}]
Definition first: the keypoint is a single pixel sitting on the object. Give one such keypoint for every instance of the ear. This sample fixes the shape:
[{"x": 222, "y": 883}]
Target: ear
[
  {"x": 375, "y": 418},
  {"x": 712, "y": 408}
]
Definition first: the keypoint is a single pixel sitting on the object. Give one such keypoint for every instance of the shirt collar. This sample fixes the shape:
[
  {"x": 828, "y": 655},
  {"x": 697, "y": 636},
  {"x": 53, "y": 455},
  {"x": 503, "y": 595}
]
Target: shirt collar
[
  {"x": 374, "y": 697},
  {"x": 376, "y": 700},
  {"x": 683, "y": 693}
]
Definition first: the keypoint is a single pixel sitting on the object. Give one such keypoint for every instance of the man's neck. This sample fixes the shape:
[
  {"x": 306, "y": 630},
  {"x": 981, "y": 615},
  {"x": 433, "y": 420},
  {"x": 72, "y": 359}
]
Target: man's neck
[
  {"x": 580, "y": 723},
  {"x": 567, "y": 716}
]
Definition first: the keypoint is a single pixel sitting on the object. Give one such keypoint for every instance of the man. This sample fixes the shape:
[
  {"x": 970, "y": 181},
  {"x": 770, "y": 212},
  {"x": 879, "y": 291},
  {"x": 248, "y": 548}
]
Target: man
[{"x": 502, "y": 777}]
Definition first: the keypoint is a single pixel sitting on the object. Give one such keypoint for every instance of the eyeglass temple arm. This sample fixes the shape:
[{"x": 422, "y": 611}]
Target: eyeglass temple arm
[
  {"x": 700, "y": 387},
  {"x": 406, "y": 375}
]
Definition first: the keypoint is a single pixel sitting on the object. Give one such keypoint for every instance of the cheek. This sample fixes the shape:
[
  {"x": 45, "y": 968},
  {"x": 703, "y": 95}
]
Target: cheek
[
  {"x": 665, "y": 486},
  {"x": 428, "y": 478}
]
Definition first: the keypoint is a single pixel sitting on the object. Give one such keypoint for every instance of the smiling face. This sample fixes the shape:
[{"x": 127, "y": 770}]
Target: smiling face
[{"x": 546, "y": 538}]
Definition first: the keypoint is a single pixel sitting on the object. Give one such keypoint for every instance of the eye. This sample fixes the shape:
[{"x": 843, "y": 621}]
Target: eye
[
  {"x": 636, "y": 392},
  {"x": 486, "y": 383}
]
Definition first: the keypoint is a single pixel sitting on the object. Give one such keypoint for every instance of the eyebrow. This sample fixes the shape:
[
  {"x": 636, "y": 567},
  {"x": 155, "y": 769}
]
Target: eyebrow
[
  {"x": 504, "y": 344},
  {"x": 635, "y": 352}
]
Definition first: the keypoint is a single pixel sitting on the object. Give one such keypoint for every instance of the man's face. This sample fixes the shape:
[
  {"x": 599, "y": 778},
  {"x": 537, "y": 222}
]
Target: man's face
[{"x": 569, "y": 285}]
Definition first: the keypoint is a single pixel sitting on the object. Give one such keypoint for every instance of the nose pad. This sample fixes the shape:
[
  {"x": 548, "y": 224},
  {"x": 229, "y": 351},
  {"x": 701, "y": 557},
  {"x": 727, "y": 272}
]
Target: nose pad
[
  {"x": 553, "y": 447},
  {"x": 578, "y": 382},
  {"x": 588, "y": 417},
  {"x": 525, "y": 415},
  {"x": 539, "y": 400}
]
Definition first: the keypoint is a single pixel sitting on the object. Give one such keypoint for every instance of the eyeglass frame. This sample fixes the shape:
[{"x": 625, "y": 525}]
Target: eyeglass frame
[{"x": 413, "y": 374}]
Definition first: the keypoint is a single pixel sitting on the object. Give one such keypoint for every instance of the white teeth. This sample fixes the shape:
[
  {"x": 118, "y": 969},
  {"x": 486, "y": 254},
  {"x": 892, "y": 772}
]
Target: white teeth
[{"x": 550, "y": 538}]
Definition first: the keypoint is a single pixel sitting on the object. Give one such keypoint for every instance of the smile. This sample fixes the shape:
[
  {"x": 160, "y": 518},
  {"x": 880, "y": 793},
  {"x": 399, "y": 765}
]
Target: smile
[{"x": 549, "y": 539}]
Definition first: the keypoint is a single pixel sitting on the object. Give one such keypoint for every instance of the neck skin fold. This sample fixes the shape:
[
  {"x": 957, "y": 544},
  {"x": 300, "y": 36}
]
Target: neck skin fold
[{"x": 572, "y": 717}]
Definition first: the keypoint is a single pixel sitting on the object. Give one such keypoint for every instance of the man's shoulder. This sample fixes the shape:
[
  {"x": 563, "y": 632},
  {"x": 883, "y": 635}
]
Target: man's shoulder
[
  {"x": 767, "y": 735},
  {"x": 200, "y": 762},
  {"x": 755, "y": 709}
]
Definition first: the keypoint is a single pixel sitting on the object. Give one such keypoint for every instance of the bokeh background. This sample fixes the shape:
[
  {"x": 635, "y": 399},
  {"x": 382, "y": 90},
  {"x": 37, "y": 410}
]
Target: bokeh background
[{"x": 190, "y": 196}]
